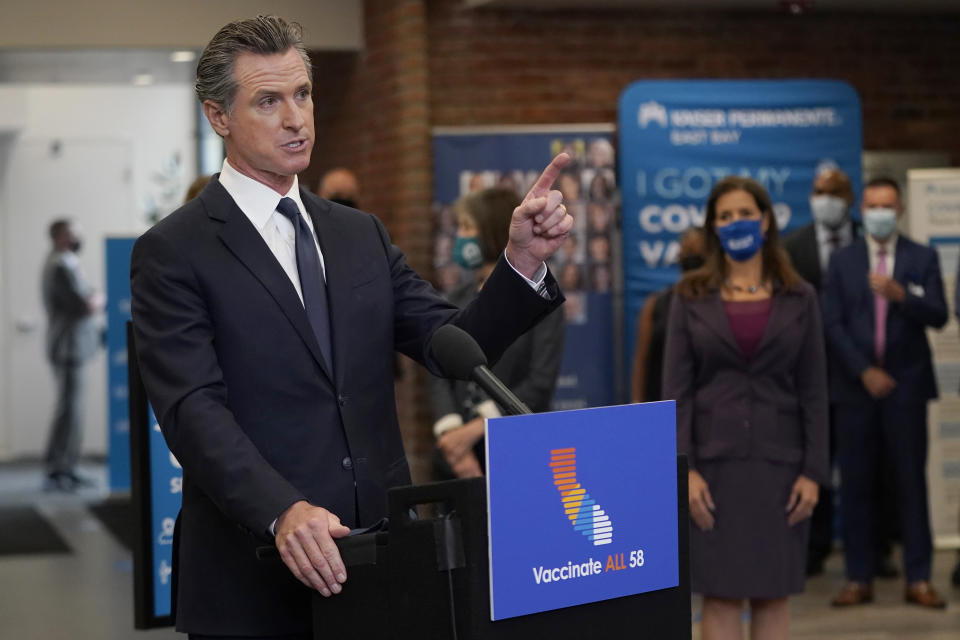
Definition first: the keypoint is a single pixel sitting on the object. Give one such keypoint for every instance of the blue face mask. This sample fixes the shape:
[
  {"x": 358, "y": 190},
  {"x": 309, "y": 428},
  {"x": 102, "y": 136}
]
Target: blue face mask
[
  {"x": 467, "y": 253},
  {"x": 741, "y": 239},
  {"x": 880, "y": 222}
]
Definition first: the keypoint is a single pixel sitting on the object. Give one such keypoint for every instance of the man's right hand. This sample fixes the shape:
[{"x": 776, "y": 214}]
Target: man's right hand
[
  {"x": 701, "y": 502},
  {"x": 305, "y": 535},
  {"x": 878, "y": 382}
]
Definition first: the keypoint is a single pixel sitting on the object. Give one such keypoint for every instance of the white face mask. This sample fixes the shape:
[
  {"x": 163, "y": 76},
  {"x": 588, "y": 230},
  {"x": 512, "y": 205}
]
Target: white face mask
[
  {"x": 880, "y": 222},
  {"x": 830, "y": 211}
]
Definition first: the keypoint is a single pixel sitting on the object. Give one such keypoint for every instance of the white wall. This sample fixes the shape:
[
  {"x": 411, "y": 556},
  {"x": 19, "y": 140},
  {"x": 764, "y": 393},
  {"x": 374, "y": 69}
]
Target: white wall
[
  {"x": 157, "y": 124},
  {"x": 158, "y": 120},
  {"x": 327, "y": 24}
]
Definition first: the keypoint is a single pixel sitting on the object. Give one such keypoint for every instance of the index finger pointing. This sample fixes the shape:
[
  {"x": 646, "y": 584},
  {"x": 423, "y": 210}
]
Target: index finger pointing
[{"x": 548, "y": 177}]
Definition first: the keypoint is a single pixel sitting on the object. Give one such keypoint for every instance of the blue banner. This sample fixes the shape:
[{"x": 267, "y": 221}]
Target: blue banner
[
  {"x": 678, "y": 138},
  {"x": 166, "y": 485},
  {"x": 583, "y": 266},
  {"x": 165, "y": 475},
  {"x": 582, "y": 506},
  {"x": 117, "y": 253}
]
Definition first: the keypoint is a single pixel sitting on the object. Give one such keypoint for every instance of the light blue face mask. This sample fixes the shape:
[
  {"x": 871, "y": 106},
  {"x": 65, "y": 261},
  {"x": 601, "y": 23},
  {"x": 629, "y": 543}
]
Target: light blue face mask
[
  {"x": 467, "y": 253},
  {"x": 741, "y": 239},
  {"x": 880, "y": 222}
]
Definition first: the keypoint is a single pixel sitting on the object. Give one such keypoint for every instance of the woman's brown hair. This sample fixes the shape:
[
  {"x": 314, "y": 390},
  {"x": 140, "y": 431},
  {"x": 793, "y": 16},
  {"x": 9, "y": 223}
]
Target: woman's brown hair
[
  {"x": 776, "y": 263},
  {"x": 491, "y": 210}
]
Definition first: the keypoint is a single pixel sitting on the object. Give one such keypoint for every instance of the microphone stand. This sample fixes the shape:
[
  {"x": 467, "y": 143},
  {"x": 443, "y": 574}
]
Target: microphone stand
[{"x": 490, "y": 383}]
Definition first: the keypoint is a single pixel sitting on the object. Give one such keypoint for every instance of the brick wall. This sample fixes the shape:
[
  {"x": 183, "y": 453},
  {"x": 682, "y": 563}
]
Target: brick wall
[{"x": 436, "y": 62}]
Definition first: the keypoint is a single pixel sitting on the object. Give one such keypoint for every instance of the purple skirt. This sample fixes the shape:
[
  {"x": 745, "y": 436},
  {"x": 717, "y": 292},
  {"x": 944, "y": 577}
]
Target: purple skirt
[{"x": 751, "y": 552}]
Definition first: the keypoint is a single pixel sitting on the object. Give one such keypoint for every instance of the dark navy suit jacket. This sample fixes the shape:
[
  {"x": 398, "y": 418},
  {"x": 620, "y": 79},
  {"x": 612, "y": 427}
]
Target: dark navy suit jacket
[
  {"x": 848, "y": 312},
  {"x": 247, "y": 405}
]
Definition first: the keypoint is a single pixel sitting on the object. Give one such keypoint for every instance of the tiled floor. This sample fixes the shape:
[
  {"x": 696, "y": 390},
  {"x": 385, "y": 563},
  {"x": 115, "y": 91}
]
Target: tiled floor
[{"x": 88, "y": 594}]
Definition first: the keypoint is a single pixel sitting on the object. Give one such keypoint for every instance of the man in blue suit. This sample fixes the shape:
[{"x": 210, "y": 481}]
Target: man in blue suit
[
  {"x": 882, "y": 293},
  {"x": 266, "y": 321}
]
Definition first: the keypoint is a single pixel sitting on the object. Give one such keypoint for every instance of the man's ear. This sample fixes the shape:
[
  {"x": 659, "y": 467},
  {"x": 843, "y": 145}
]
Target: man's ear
[{"x": 218, "y": 117}]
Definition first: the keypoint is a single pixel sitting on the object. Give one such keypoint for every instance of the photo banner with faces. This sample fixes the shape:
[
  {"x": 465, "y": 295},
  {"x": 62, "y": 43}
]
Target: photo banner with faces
[
  {"x": 680, "y": 137},
  {"x": 470, "y": 160}
]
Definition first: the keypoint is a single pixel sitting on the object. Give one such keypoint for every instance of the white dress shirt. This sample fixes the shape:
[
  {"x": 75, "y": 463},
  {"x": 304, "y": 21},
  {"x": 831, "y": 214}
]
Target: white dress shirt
[
  {"x": 259, "y": 203},
  {"x": 824, "y": 233}
]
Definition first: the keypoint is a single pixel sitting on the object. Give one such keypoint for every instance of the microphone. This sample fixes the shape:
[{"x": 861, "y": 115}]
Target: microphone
[{"x": 460, "y": 357}]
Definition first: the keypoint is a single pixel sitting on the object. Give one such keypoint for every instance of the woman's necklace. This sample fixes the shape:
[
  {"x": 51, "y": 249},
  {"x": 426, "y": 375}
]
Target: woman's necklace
[{"x": 741, "y": 289}]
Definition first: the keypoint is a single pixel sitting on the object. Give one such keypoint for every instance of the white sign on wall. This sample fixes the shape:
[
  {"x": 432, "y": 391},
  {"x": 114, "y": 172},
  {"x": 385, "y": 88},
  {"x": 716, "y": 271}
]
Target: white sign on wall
[{"x": 934, "y": 211}]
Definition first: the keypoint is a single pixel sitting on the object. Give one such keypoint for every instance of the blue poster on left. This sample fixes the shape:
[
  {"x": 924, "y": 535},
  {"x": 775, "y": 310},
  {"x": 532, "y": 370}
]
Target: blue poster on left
[
  {"x": 117, "y": 252},
  {"x": 165, "y": 474}
]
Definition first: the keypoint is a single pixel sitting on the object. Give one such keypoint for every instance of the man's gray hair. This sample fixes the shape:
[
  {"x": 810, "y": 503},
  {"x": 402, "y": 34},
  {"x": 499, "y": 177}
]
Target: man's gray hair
[{"x": 263, "y": 35}]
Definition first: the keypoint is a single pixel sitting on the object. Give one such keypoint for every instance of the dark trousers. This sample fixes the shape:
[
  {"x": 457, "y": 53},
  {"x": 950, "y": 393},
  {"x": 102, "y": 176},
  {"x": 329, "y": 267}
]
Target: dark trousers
[
  {"x": 864, "y": 434},
  {"x": 821, "y": 521},
  {"x": 63, "y": 443}
]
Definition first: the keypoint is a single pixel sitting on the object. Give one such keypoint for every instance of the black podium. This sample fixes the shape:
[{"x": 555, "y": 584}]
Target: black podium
[{"x": 427, "y": 577}]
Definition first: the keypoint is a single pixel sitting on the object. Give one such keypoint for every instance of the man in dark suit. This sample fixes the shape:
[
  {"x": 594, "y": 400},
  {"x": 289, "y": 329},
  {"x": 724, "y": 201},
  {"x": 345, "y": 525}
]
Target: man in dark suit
[
  {"x": 72, "y": 338},
  {"x": 881, "y": 295},
  {"x": 266, "y": 321},
  {"x": 810, "y": 248}
]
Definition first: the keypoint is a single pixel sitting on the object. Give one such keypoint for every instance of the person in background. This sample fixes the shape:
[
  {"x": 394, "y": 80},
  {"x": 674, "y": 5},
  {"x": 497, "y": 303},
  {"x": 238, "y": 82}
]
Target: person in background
[
  {"x": 72, "y": 338},
  {"x": 529, "y": 367},
  {"x": 652, "y": 325},
  {"x": 810, "y": 248},
  {"x": 745, "y": 362},
  {"x": 340, "y": 185},
  {"x": 881, "y": 294},
  {"x": 196, "y": 187}
]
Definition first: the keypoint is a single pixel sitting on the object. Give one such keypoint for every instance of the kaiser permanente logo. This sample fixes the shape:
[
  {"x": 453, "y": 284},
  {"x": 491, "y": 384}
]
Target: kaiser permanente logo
[
  {"x": 585, "y": 516},
  {"x": 584, "y": 513},
  {"x": 653, "y": 112}
]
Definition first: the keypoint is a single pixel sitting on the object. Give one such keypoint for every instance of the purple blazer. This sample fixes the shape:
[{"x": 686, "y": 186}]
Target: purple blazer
[{"x": 773, "y": 406}]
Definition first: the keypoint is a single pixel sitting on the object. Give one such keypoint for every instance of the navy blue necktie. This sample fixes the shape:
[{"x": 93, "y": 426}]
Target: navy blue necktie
[{"x": 312, "y": 284}]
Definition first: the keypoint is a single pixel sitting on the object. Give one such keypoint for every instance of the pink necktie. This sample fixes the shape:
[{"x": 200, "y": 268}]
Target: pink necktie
[{"x": 880, "y": 310}]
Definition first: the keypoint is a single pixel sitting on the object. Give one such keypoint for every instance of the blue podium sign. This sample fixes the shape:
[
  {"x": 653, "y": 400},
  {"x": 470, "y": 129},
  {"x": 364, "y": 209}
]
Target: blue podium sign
[{"x": 582, "y": 506}]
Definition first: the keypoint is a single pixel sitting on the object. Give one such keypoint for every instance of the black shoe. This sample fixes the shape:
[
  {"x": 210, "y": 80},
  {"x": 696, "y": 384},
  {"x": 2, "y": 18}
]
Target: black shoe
[
  {"x": 59, "y": 481},
  {"x": 886, "y": 568},
  {"x": 815, "y": 567}
]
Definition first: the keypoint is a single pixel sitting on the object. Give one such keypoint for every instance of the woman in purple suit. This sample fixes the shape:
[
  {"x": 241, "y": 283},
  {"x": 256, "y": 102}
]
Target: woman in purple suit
[{"x": 745, "y": 362}]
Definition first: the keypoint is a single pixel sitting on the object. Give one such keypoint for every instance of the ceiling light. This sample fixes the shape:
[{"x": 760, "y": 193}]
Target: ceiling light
[
  {"x": 183, "y": 56},
  {"x": 142, "y": 79}
]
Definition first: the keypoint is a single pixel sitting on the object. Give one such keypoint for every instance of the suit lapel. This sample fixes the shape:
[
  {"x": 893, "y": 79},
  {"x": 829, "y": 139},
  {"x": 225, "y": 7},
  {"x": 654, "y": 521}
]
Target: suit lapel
[
  {"x": 900, "y": 258},
  {"x": 246, "y": 243},
  {"x": 783, "y": 313},
  {"x": 710, "y": 309},
  {"x": 336, "y": 264}
]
